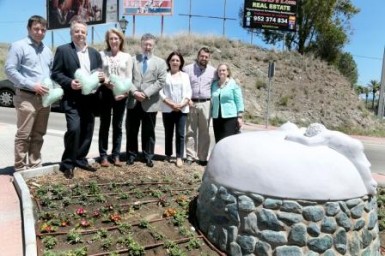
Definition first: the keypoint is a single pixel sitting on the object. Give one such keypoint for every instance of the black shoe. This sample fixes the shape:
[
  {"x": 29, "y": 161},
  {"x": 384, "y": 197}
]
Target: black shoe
[
  {"x": 130, "y": 161},
  {"x": 69, "y": 173},
  {"x": 88, "y": 167},
  {"x": 202, "y": 163},
  {"x": 149, "y": 163}
]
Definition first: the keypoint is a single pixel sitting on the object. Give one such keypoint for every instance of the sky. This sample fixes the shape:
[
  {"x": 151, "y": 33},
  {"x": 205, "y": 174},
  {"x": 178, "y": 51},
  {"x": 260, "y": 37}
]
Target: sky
[{"x": 366, "y": 43}]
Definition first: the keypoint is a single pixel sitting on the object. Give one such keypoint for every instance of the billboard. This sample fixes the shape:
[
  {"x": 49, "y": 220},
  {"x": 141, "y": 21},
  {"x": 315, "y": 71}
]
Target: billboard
[
  {"x": 148, "y": 7},
  {"x": 270, "y": 14},
  {"x": 60, "y": 13}
]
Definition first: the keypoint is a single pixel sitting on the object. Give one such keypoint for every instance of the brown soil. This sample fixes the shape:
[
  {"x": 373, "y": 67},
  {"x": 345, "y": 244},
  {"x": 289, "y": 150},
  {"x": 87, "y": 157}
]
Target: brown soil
[{"x": 134, "y": 210}]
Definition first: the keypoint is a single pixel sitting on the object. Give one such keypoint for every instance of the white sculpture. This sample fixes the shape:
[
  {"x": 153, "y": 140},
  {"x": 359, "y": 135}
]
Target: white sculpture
[
  {"x": 286, "y": 164},
  {"x": 317, "y": 134},
  {"x": 121, "y": 85},
  {"x": 54, "y": 94},
  {"x": 89, "y": 82}
]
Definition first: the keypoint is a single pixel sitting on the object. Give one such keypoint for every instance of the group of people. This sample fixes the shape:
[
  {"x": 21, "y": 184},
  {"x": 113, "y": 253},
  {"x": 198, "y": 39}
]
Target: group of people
[{"x": 188, "y": 97}]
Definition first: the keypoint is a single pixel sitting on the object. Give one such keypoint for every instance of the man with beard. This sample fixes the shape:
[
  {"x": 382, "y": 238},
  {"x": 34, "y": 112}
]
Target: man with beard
[{"x": 201, "y": 76}]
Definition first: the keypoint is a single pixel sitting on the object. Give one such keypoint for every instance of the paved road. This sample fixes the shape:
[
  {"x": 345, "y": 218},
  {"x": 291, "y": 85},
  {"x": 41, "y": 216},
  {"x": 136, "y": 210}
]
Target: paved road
[{"x": 53, "y": 145}]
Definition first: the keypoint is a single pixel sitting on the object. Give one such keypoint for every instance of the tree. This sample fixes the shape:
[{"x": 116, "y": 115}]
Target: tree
[
  {"x": 348, "y": 67},
  {"x": 373, "y": 87},
  {"x": 323, "y": 28},
  {"x": 321, "y": 24}
]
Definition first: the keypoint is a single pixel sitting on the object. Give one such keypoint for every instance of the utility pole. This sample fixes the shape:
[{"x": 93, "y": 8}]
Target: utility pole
[{"x": 382, "y": 89}]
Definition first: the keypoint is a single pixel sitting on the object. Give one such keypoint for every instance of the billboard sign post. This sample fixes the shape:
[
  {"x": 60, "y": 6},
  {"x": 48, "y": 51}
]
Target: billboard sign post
[{"x": 270, "y": 14}]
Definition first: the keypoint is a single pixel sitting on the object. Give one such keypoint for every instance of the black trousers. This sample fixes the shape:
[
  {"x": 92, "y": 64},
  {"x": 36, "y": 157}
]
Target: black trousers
[
  {"x": 224, "y": 127},
  {"x": 134, "y": 118},
  {"x": 109, "y": 105},
  {"x": 80, "y": 128},
  {"x": 175, "y": 120}
]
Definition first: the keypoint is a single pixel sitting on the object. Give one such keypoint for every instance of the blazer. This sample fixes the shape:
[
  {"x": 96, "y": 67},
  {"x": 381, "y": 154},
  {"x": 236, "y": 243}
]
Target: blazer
[
  {"x": 150, "y": 82},
  {"x": 229, "y": 98},
  {"x": 66, "y": 62}
]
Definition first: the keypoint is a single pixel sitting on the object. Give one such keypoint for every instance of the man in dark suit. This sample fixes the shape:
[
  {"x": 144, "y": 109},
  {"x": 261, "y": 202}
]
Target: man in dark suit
[
  {"x": 78, "y": 108},
  {"x": 148, "y": 78}
]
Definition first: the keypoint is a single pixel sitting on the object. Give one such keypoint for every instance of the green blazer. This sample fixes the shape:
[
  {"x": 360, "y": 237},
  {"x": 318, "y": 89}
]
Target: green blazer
[{"x": 229, "y": 98}]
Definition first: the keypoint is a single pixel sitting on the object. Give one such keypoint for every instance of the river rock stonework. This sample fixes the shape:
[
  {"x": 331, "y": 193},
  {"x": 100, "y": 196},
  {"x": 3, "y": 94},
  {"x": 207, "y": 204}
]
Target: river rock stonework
[
  {"x": 252, "y": 224},
  {"x": 241, "y": 220}
]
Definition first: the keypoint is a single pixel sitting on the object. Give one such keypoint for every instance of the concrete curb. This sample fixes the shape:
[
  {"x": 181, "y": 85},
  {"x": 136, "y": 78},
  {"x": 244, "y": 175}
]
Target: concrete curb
[
  {"x": 29, "y": 232},
  {"x": 30, "y": 246}
]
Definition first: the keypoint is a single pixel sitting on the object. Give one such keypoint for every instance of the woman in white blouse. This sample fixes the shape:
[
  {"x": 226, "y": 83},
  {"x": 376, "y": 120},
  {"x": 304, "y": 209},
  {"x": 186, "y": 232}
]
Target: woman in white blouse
[
  {"x": 175, "y": 96},
  {"x": 115, "y": 62}
]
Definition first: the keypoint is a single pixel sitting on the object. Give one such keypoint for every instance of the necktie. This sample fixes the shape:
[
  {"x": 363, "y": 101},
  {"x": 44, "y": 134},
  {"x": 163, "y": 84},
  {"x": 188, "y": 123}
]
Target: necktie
[{"x": 144, "y": 64}]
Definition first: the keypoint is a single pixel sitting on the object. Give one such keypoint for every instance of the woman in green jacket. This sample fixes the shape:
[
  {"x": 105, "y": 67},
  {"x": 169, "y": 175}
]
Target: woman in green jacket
[{"x": 226, "y": 104}]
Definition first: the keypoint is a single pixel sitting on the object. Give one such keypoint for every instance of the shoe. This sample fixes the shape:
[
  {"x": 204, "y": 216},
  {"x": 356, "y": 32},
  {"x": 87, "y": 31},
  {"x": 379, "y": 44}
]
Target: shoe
[
  {"x": 104, "y": 163},
  {"x": 189, "y": 161},
  {"x": 117, "y": 162},
  {"x": 88, "y": 167},
  {"x": 130, "y": 161},
  {"x": 179, "y": 162},
  {"x": 149, "y": 163},
  {"x": 202, "y": 163},
  {"x": 69, "y": 173}
]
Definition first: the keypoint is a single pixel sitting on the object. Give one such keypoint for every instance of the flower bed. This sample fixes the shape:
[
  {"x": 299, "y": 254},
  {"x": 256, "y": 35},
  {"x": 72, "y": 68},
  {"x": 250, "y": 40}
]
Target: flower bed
[{"x": 130, "y": 210}]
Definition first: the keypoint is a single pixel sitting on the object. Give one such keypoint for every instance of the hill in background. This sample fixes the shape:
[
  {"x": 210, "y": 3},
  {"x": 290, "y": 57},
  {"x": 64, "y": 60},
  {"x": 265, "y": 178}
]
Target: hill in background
[{"x": 304, "y": 90}]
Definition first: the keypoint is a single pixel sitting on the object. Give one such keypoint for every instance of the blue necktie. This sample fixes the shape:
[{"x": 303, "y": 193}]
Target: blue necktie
[{"x": 144, "y": 64}]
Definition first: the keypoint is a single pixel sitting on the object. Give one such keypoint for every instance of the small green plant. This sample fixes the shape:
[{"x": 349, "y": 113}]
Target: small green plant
[
  {"x": 179, "y": 218},
  {"x": 138, "y": 193},
  {"x": 173, "y": 249},
  {"x": 106, "y": 243},
  {"x": 66, "y": 201},
  {"x": 194, "y": 243},
  {"x": 124, "y": 228},
  {"x": 74, "y": 237},
  {"x": 77, "y": 252},
  {"x": 135, "y": 249},
  {"x": 41, "y": 191},
  {"x": 49, "y": 253},
  {"x": 46, "y": 201},
  {"x": 93, "y": 188},
  {"x": 100, "y": 198},
  {"x": 143, "y": 223},
  {"x": 49, "y": 242},
  {"x": 123, "y": 196}
]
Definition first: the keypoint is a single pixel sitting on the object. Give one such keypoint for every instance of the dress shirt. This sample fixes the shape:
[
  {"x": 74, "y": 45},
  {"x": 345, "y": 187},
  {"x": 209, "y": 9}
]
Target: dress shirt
[
  {"x": 28, "y": 63},
  {"x": 201, "y": 80},
  {"x": 84, "y": 58},
  {"x": 176, "y": 89}
]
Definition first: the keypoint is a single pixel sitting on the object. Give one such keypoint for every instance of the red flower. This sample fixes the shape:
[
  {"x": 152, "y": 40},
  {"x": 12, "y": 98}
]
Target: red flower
[
  {"x": 80, "y": 211},
  {"x": 84, "y": 223},
  {"x": 115, "y": 217},
  {"x": 96, "y": 214}
]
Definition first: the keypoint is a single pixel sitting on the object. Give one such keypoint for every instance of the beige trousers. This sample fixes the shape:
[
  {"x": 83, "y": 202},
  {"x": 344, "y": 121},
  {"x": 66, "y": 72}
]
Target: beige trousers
[
  {"x": 197, "y": 134},
  {"x": 32, "y": 121}
]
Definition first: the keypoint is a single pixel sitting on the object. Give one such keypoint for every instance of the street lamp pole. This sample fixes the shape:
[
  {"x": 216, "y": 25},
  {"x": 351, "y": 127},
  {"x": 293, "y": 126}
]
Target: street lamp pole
[{"x": 123, "y": 24}]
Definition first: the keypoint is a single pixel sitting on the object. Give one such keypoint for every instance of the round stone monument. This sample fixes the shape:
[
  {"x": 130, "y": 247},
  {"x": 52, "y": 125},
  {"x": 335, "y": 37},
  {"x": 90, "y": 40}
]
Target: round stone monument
[{"x": 290, "y": 192}]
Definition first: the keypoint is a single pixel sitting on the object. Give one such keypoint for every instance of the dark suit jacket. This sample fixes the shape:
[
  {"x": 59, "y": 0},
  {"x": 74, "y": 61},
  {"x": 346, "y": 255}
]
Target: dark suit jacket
[{"x": 66, "y": 62}]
